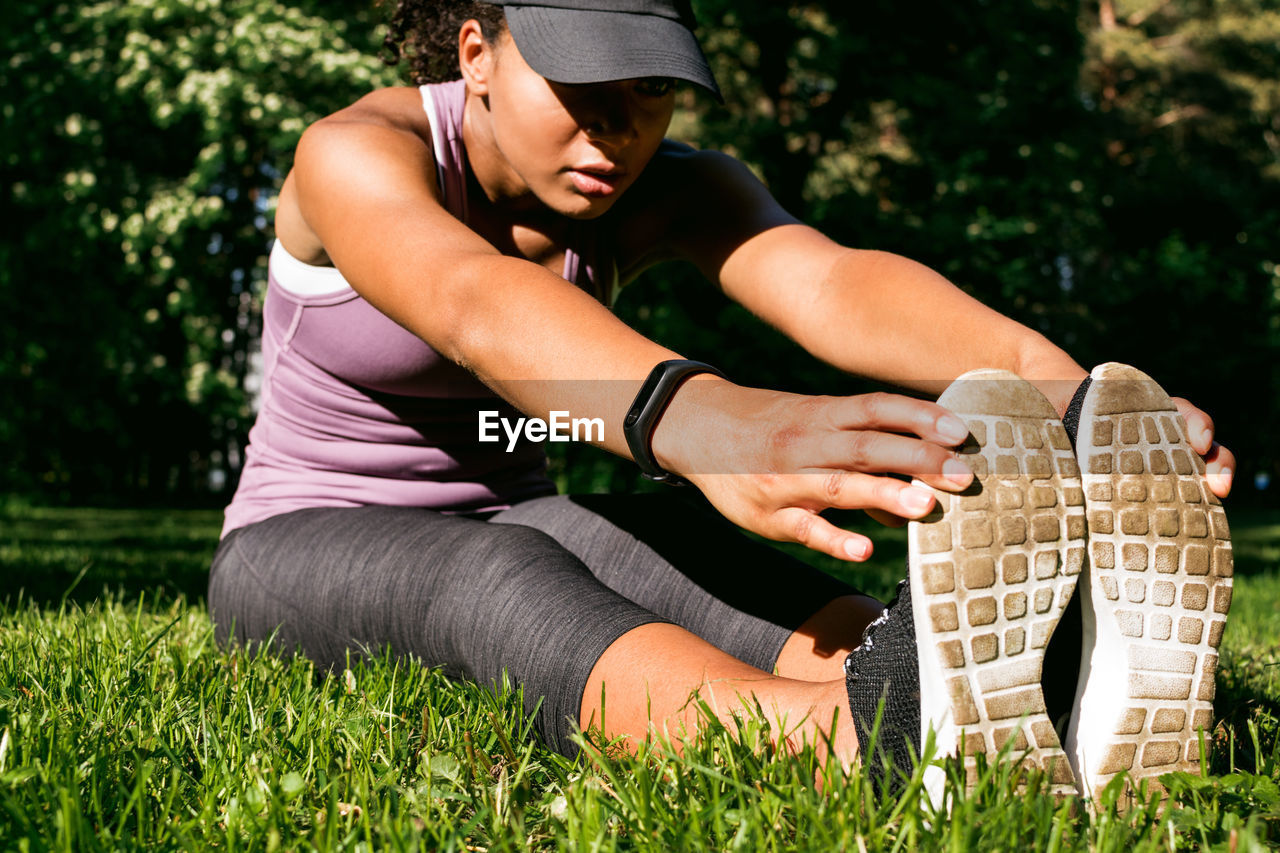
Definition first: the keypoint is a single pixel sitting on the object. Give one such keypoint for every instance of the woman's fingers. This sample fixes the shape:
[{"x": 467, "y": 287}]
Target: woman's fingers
[
  {"x": 815, "y": 491},
  {"x": 888, "y": 519},
  {"x": 1199, "y": 426},
  {"x": 797, "y": 518},
  {"x": 1219, "y": 468},
  {"x": 835, "y": 452},
  {"x": 896, "y": 413},
  {"x": 874, "y": 433},
  {"x": 1220, "y": 463},
  {"x": 893, "y": 498},
  {"x": 812, "y": 530},
  {"x": 879, "y": 453}
]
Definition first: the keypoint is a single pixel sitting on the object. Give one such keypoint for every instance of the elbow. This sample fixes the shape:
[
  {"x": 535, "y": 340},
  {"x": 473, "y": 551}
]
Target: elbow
[
  {"x": 466, "y": 325},
  {"x": 455, "y": 328}
]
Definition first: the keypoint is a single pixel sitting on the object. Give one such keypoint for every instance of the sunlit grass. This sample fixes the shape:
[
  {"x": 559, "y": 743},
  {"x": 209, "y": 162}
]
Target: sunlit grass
[{"x": 123, "y": 725}]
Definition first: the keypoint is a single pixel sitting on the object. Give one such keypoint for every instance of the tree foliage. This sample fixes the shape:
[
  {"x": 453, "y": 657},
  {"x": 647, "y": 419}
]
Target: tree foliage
[
  {"x": 1108, "y": 173},
  {"x": 142, "y": 144}
]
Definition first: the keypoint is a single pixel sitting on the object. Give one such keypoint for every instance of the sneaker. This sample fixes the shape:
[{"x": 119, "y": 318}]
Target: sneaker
[
  {"x": 990, "y": 571},
  {"x": 882, "y": 676},
  {"x": 1156, "y": 596}
]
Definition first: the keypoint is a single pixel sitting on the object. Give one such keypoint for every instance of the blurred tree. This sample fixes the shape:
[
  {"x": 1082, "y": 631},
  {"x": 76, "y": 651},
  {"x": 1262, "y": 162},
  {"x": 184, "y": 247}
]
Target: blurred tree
[
  {"x": 1107, "y": 172},
  {"x": 951, "y": 137},
  {"x": 1182, "y": 273},
  {"x": 141, "y": 147}
]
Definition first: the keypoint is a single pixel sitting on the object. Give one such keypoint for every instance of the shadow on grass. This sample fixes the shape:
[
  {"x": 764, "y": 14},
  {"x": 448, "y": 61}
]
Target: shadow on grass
[
  {"x": 1255, "y": 540},
  {"x": 46, "y": 554},
  {"x": 44, "y": 550}
]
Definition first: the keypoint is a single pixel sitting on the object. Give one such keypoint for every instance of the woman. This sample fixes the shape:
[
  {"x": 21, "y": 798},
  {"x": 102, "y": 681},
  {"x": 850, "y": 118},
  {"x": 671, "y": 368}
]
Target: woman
[{"x": 442, "y": 245}]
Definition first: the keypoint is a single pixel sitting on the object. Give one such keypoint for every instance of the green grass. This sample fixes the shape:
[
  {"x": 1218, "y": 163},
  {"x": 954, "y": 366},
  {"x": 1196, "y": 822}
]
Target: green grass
[{"x": 123, "y": 725}]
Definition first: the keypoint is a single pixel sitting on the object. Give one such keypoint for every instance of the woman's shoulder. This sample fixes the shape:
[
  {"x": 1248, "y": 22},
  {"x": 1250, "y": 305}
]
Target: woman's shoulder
[
  {"x": 395, "y": 108},
  {"x": 681, "y": 177},
  {"x": 373, "y": 154},
  {"x": 680, "y": 188},
  {"x": 676, "y": 159},
  {"x": 385, "y": 132}
]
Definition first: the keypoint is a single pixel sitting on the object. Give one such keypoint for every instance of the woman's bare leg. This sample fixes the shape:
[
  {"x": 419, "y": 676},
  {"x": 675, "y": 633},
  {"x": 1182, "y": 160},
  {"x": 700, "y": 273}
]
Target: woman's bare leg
[
  {"x": 817, "y": 649},
  {"x": 649, "y": 674}
]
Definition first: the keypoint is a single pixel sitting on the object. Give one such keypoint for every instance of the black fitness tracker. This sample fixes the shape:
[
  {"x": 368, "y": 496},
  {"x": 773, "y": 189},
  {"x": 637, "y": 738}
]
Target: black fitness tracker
[{"x": 648, "y": 406}]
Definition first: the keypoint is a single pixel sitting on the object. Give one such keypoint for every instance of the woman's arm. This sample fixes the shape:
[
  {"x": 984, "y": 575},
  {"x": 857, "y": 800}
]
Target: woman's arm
[
  {"x": 871, "y": 313},
  {"x": 364, "y": 183},
  {"x": 367, "y": 188}
]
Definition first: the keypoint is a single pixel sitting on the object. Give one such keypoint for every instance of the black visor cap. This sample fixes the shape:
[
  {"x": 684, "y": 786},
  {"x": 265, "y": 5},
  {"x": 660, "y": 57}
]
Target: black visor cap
[{"x": 598, "y": 41}]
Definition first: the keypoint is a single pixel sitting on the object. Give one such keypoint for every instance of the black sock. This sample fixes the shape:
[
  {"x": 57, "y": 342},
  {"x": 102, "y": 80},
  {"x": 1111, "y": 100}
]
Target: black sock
[
  {"x": 1071, "y": 420},
  {"x": 886, "y": 668},
  {"x": 1062, "y": 657}
]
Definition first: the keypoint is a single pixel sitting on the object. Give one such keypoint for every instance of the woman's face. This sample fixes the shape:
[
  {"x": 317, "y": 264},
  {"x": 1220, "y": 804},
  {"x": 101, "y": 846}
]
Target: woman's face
[{"x": 576, "y": 148}]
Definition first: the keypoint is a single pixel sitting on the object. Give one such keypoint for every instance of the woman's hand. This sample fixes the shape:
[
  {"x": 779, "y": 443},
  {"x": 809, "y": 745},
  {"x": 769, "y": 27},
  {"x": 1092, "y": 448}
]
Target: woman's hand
[
  {"x": 770, "y": 462},
  {"x": 1220, "y": 463}
]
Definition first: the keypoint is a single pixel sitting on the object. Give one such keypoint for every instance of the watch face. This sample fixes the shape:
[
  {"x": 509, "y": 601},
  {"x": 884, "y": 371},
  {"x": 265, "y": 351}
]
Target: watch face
[{"x": 648, "y": 406}]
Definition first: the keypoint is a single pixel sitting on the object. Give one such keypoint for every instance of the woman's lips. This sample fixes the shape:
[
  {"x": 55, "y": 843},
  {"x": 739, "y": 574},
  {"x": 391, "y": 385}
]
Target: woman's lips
[{"x": 595, "y": 183}]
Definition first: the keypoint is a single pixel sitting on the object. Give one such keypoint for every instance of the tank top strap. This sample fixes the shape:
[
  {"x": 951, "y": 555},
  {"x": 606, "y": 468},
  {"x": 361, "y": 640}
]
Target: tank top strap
[{"x": 444, "y": 103}]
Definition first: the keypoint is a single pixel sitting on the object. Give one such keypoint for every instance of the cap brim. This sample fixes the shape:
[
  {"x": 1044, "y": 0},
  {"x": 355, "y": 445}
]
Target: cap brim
[{"x": 578, "y": 46}]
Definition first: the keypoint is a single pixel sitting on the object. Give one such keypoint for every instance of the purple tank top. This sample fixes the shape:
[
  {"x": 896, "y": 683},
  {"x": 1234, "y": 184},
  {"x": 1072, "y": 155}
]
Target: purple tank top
[{"x": 355, "y": 410}]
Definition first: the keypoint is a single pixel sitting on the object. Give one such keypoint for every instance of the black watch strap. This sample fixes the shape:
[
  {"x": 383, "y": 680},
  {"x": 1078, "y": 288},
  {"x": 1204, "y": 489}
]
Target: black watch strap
[{"x": 652, "y": 400}]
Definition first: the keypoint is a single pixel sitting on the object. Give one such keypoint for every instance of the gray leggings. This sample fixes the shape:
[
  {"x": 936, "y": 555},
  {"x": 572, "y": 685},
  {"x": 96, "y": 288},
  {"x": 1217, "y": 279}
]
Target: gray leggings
[{"x": 539, "y": 590}]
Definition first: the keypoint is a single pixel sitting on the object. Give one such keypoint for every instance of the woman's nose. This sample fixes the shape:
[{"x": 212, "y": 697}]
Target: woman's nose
[{"x": 611, "y": 118}]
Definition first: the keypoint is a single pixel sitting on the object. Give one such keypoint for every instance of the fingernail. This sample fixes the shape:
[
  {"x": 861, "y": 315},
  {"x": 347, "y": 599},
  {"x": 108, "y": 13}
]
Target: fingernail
[
  {"x": 952, "y": 428},
  {"x": 916, "y": 499},
  {"x": 1205, "y": 436},
  {"x": 1225, "y": 475},
  {"x": 957, "y": 472},
  {"x": 857, "y": 548}
]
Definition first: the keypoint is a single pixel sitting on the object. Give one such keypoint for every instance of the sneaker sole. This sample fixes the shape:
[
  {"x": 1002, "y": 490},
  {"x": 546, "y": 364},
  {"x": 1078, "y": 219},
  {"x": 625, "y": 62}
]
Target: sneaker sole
[
  {"x": 993, "y": 567},
  {"x": 1157, "y": 591}
]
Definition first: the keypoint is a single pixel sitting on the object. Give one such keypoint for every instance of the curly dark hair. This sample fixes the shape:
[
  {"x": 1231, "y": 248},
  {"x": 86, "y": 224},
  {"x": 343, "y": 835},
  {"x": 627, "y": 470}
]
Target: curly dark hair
[{"x": 425, "y": 32}]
